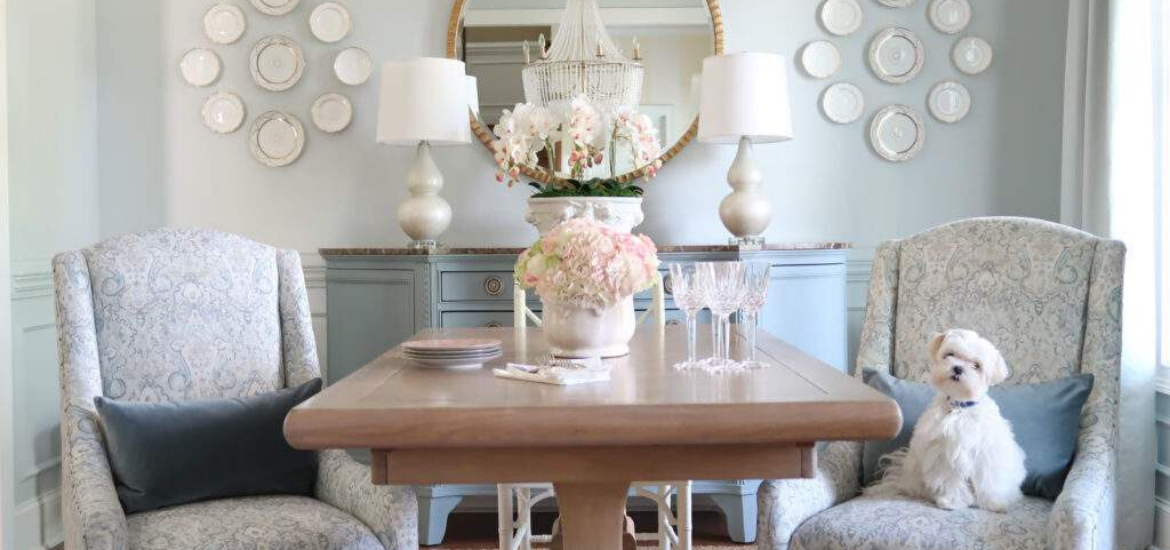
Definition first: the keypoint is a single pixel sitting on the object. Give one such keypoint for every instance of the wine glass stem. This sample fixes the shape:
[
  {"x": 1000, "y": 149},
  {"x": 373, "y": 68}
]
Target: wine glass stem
[
  {"x": 752, "y": 321},
  {"x": 716, "y": 337},
  {"x": 726, "y": 335},
  {"x": 692, "y": 330}
]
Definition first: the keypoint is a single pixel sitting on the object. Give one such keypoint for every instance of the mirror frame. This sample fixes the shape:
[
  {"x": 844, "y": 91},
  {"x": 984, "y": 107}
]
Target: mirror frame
[{"x": 486, "y": 137}]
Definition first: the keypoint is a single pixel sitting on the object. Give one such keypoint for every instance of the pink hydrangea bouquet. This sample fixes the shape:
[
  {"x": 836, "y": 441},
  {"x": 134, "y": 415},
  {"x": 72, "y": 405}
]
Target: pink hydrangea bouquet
[{"x": 585, "y": 263}]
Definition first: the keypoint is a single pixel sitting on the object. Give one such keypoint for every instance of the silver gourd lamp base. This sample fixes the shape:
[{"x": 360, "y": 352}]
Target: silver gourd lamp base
[
  {"x": 747, "y": 211},
  {"x": 424, "y": 216}
]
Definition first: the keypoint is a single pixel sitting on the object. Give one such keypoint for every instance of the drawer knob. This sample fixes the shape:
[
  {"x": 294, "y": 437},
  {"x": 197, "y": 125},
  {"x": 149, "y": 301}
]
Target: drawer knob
[
  {"x": 493, "y": 286},
  {"x": 667, "y": 287},
  {"x": 673, "y": 323},
  {"x": 493, "y": 324}
]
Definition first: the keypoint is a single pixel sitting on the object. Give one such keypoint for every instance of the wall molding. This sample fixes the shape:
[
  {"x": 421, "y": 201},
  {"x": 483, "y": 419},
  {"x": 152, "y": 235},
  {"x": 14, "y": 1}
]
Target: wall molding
[
  {"x": 38, "y": 522},
  {"x": 1162, "y": 521}
]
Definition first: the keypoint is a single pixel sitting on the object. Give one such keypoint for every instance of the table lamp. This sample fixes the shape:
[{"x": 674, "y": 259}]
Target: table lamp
[
  {"x": 745, "y": 100},
  {"x": 424, "y": 102}
]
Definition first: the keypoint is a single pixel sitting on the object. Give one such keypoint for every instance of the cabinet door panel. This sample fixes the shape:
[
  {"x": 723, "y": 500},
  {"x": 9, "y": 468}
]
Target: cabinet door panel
[
  {"x": 806, "y": 308},
  {"x": 375, "y": 312}
]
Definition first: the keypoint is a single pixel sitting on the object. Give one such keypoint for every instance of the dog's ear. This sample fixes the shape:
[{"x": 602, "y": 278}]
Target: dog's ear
[
  {"x": 935, "y": 343},
  {"x": 998, "y": 371}
]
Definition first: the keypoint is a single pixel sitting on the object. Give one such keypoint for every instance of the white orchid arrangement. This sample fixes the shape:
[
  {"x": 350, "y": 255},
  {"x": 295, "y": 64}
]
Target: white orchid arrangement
[{"x": 591, "y": 136}]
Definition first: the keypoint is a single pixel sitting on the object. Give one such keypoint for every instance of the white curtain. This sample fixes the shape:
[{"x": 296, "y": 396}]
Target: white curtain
[{"x": 1109, "y": 188}]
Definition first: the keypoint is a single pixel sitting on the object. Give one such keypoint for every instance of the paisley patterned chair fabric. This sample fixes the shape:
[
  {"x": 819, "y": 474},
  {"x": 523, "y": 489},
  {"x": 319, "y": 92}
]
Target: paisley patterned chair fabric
[
  {"x": 178, "y": 314},
  {"x": 1050, "y": 298}
]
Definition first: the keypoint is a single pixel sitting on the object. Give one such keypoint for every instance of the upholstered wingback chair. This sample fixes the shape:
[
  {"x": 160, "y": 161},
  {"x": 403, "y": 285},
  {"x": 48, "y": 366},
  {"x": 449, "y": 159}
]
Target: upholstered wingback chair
[
  {"x": 1050, "y": 298},
  {"x": 178, "y": 314}
]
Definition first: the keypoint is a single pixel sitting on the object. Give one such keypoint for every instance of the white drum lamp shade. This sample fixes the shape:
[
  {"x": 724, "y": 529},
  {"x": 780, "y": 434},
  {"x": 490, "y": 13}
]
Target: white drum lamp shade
[
  {"x": 424, "y": 99},
  {"x": 745, "y": 95},
  {"x": 473, "y": 95}
]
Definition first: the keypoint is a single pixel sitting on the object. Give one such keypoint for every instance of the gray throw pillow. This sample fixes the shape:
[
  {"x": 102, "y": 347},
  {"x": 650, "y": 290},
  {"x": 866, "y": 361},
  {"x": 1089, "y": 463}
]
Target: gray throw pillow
[
  {"x": 1045, "y": 417},
  {"x": 165, "y": 454}
]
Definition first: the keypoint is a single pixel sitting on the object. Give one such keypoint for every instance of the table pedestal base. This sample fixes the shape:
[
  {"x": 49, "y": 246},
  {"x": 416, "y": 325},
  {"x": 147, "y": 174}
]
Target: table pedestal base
[{"x": 593, "y": 515}]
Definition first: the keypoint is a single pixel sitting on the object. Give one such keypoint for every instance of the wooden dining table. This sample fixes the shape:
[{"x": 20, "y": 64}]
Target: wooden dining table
[{"x": 650, "y": 422}]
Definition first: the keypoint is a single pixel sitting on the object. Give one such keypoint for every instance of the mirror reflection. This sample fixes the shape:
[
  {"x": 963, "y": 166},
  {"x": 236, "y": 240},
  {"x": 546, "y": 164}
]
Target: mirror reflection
[{"x": 584, "y": 89}]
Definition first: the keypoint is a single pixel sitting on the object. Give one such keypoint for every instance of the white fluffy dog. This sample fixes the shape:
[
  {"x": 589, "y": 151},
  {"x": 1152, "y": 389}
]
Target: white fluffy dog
[{"x": 963, "y": 452}]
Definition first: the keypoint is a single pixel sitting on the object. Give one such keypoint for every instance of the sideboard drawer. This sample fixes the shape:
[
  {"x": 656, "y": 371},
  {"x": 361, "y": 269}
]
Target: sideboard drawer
[
  {"x": 476, "y": 286},
  {"x": 476, "y": 319}
]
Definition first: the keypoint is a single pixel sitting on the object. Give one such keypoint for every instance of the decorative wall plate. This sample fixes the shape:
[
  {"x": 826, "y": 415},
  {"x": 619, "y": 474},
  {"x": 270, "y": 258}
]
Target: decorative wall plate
[
  {"x": 223, "y": 113},
  {"x": 200, "y": 67},
  {"x": 330, "y": 22},
  {"x": 842, "y": 17},
  {"x": 224, "y": 24},
  {"x": 972, "y": 55},
  {"x": 949, "y": 102},
  {"x": 332, "y": 113},
  {"x": 275, "y": 7},
  {"x": 897, "y": 133},
  {"x": 277, "y": 63},
  {"x": 277, "y": 139},
  {"x": 353, "y": 66},
  {"x": 895, "y": 3},
  {"x": 820, "y": 59},
  {"x": 949, "y": 16},
  {"x": 896, "y": 55},
  {"x": 843, "y": 103}
]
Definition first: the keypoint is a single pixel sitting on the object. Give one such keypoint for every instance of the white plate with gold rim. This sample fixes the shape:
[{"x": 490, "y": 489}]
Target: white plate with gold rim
[
  {"x": 949, "y": 16},
  {"x": 277, "y": 63},
  {"x": 275, "y": 7},
  {"x": 896, "y": 55},
  {"x": 843, "y": 103},
  {"x": 277, "y": 139},
  {"x": 897, "y": 133},
  {"x": 330, "y": 22},
  {"x": 972, "y": 55},
  {"x": 200, "y": 67},
  {"x": 820, "y": 59},
  {"x": 949, "y": 102},
  {"x": 224, "y": 24},
  {"x": 842, "y": 17},
  {"x": 353, "y": 66},
  {"x": 223, "y": 113},
  {"x": 332, "y": 113}
]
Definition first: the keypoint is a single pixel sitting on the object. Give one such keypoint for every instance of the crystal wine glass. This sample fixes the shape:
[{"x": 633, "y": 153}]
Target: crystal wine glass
[
  {"x": 756, "y": 277},
  {"x": 723, "y": 291},
  {"x": 689, "y": 298}
]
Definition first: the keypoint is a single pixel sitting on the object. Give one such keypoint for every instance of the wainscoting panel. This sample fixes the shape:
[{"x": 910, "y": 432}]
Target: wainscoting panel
[
  {"x": 1162, "y": 465},
  {"x": 37, "y": 450}
]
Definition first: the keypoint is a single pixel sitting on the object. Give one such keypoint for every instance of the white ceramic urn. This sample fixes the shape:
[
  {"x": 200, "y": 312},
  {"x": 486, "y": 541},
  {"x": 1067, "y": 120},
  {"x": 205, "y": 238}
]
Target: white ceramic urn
[
  {"x": 620, "y": 213},
  {"x": 578, "y": 332}
]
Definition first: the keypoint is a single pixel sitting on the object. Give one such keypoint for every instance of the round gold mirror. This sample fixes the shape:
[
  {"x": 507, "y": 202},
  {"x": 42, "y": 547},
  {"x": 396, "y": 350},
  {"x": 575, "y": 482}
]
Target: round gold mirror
[{"x": 640, "y": 56}]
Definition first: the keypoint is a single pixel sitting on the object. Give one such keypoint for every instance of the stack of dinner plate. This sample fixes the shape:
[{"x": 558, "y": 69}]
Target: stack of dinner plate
[{"x": 451, "y": 353}]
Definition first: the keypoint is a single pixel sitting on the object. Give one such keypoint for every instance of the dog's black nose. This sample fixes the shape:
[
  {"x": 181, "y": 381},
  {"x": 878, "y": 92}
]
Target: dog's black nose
[{"x": 957, "y": 370}]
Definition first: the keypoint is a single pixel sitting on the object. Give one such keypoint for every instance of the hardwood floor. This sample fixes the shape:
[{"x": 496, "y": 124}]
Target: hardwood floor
[{"x": 477, "y": 531}]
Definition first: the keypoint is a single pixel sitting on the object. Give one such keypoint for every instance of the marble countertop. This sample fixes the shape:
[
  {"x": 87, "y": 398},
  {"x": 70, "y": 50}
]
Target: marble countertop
[{"x": 665, "y": 249}]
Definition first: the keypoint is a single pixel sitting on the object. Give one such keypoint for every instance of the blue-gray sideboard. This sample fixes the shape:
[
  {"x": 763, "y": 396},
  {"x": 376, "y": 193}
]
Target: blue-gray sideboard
[{"x": 379, "y": 297}]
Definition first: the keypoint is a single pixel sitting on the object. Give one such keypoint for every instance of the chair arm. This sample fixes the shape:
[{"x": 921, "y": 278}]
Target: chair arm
[
  {"x": 1082, "y": 516},
  {"x": 787, "y": 503},
  {"x": 391, "y": 511},
  {"x": 93, "y": 516}
]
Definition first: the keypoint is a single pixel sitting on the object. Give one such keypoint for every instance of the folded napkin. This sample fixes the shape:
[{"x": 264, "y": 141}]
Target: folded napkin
[{"x": 560, "y": 372}]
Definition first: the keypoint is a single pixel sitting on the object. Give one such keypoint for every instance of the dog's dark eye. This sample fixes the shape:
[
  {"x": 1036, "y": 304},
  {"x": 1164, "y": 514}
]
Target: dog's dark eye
[
  {"x": 977, "y": 366},
  {"x": 948, "y": 355}
]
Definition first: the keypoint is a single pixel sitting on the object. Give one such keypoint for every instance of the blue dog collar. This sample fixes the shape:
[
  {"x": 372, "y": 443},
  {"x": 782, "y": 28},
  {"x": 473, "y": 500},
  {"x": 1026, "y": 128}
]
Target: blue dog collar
[{"x": 962, "y": 404}]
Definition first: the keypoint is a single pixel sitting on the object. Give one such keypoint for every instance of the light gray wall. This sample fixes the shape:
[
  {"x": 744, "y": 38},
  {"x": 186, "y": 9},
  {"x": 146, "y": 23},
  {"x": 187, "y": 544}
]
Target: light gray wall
[
  {"x": 159, "y": 165},
  {"x": 53, "y": 193}
]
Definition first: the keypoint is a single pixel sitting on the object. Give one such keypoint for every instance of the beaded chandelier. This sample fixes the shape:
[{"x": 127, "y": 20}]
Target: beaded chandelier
[{"x": 583, "y": 60}]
